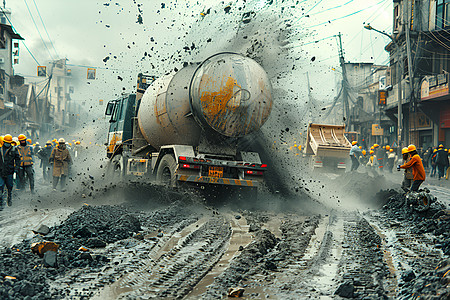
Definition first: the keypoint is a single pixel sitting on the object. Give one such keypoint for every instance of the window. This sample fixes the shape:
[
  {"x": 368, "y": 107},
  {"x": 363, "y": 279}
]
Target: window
[{"x": 442, "y": 14}]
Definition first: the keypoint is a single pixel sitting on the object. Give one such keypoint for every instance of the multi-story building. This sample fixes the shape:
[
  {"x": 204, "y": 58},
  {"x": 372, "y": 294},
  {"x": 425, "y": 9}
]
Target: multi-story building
[{"x": 419, "y": 66}]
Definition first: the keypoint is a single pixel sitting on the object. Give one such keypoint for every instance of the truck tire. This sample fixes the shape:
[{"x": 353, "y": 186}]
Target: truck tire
[
  {"x": 166, "y": 171},
  {"x": 115, "y": 168}
]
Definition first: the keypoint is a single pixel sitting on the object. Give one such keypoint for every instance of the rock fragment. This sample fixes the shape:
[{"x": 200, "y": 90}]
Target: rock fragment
[
  {"x": 50, "y": 259},
  {"x": 42, "y": 230},
  {"x": 346, "y": 290}
]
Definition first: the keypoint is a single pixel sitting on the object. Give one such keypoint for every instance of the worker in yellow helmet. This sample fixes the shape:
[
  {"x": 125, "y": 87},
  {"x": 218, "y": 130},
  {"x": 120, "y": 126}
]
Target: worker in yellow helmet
[
  {"x": 26, "y": 163},
  {"x": 372, "y": 162},
  {"x": 355, "y": 152},
  {"x": 415, "y": 163},
  {"x": 9, "y": 164},
  {"x": 61, "y": 160},
  {"x": 391, "y": 157},
  {"x": 408, "y": 175}
]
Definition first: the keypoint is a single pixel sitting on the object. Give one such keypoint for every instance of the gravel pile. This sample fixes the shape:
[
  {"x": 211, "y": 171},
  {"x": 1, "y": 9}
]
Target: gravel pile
[
  {"x": 432, "y": 283},
  {"x": 25, "y": 275}
]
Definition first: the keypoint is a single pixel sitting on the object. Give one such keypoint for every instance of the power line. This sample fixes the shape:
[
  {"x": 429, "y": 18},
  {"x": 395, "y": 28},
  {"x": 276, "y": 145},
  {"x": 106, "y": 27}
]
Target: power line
[
  {"x": 305, "y": 14},
  {"x": 45, "y": 28},
  {"x": 39, "y": 32},
  {"x": 346, "y": 16},
  {"x": 6, "y": 16}
]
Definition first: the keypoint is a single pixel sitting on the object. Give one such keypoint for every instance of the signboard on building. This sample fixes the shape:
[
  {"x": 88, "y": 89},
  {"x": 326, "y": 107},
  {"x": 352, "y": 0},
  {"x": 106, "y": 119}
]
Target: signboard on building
[
  {"x": 90, "y": 73},
  {"x": 377, "y": 130},
  {"x": 382, "y": 98},
  {"x": 419, "y": 121},
  {"x": 433, "y": 87},
  {"x": 42, "y": 71}
]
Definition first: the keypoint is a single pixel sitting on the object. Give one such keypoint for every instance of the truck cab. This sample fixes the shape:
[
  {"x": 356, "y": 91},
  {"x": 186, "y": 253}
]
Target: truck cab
[{"x": 121, "y": 112}]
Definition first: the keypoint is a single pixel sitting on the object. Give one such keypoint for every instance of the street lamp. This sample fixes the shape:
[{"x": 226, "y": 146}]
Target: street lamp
[{"x": 399, "y": 89}]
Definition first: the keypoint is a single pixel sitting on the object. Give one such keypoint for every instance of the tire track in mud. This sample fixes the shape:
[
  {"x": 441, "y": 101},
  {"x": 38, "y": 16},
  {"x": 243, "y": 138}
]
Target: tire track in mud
[{"x": 172, "y": 269}]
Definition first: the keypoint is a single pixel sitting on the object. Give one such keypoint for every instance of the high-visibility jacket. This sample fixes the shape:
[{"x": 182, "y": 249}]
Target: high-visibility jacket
[
  {"x": 417, "y": 167},
  {"x": 26, "y": 155}
]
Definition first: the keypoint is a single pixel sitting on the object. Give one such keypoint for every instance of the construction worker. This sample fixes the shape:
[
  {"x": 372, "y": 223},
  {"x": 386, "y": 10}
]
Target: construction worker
[
  {"x": 441, "y": 161},
  {"x": 390, "y": 159},
  {"x": 372, "y": 162},
  {"x": 77, "y": 149},
  {"x": 363, "y": 158},
  {"x": 415, "y": 163},
  {"x": 354, "y": 154},
  {"x": 44, "y": 155},
  {"x": 60, "y": 159},
  {"x": 26, "y": 163},
  {"x": 408, "y": 175},
  {"x": 9, "y": 164}
]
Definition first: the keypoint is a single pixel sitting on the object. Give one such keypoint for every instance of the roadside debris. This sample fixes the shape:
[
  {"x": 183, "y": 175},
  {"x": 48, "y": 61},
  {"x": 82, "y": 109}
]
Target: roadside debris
[
  {"x": 42, "y": 247},
  {"x": 235, "y": 292}
]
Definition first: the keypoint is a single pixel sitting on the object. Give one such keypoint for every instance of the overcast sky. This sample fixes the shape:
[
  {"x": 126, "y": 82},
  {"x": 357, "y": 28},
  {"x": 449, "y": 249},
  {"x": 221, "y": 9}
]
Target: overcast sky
[{"x": 88, "y": 31}]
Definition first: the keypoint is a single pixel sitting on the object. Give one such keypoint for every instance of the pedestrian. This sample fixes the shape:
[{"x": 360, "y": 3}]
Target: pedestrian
[
  {"x": 433, "y": 163},
  {"x": 414, "y": 163},
  {"x": 408, "y": 175},
  {"x": 441, "y": 161},
  {"x": 44, "y": 155},
  {"x": 61, "y": 160},
  {"x": 9, "y": 164},
  {"x": 26, "y": 163},
  {"x": 354, "y": 154},
  {"x": 427, "y": 158}
]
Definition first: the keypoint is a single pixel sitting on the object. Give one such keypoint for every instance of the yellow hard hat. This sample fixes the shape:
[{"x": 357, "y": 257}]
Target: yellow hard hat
[
  {"x": 411, "y": 148},
  {"x": 364, "y": 152},
  {"x": 22, "y": 137},
  {"x": 441, "y": 146},
  {"x": 391, "y": 150},
  {"x": 78, "y": 142},
  {"x": 371, "y": 152},
  {"x": 384, "y": 147},
  {"x": 70, "y": 144},
  {"x": 354, "y": 143},
  {"x": 360, "y": 147},
  {"x": 388, "y": 147},
  {"x": 435, "y": 150},
  {"x": 405, "y": 150},
  {"x": 54, "y": 140},
  {"x": 7, "y": 138},
  {"x": 371, "y": 148},
  {"x": 1, "y": 139},
  {"x": 376, "y": 145}
]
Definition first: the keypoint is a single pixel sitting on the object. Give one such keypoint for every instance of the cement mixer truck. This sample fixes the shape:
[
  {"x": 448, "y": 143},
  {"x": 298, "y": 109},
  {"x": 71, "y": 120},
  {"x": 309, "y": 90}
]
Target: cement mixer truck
[{"x": 185, "y": 128}]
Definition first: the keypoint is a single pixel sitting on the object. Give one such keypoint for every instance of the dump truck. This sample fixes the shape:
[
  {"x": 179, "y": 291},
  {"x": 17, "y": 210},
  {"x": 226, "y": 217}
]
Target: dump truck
[
  {"x": 327, "y": 147},
  {"x": 185, "y": 128}
]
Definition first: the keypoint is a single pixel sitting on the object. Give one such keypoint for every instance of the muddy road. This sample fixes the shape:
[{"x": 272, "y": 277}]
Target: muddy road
[{"x": 150, "y": 242}]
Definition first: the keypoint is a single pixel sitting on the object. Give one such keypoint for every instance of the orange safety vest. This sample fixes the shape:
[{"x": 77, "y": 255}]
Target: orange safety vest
[{"x": 25, "y": 156}]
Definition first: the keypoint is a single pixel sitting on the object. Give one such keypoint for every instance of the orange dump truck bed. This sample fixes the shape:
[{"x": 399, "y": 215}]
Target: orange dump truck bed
[{"x": 327, "y": 141}]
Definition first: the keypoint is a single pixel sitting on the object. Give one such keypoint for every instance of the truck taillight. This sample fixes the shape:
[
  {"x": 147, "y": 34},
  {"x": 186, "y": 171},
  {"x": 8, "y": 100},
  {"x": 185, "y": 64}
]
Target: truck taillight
[
  {"x": 264, "y": 166},
  {"x": 182, "y": 158},
  {"x": 188, "y": 166},
  {"x": 250, "y": 172}
]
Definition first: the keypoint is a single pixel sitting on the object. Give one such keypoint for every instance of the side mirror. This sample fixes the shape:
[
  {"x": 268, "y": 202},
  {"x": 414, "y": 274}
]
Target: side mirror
[{"x": 109, "y": 108}]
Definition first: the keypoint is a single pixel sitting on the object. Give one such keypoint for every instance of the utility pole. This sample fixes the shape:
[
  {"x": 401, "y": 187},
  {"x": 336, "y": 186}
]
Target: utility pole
[
  {"x": 412, "y": 99},
  {"x": 345, "y": 105}
]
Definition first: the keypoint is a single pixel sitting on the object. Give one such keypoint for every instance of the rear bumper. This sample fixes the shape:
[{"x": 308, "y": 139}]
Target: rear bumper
[{"x": 214, "y": 180}]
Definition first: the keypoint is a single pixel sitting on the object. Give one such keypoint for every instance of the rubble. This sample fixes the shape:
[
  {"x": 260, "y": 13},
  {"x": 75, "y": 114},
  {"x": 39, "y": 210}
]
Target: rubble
[
  {"x": 345, "y": 290},
  {"x": 42, "y": 247}
]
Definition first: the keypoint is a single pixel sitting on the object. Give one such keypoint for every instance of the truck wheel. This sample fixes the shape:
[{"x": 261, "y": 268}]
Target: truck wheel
[
  {"x": 166, "y": 171},
  {"x": 115, "y": 167}
]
